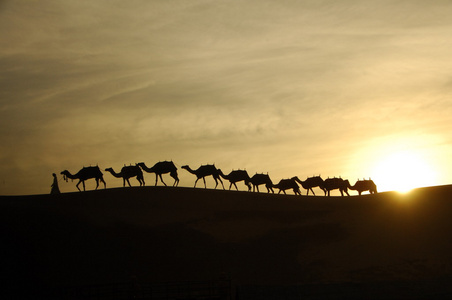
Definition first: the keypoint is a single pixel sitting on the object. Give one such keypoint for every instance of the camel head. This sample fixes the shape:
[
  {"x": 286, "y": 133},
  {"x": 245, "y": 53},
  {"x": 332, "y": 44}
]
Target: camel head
[{"x": 65, "y": 175}]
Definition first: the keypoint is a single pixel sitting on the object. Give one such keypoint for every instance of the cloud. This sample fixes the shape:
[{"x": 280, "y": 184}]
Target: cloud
[{"x": 291, "y": 86}]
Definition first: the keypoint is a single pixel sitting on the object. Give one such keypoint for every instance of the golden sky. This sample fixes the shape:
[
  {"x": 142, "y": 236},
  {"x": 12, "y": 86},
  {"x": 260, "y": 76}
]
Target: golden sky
[{"x": 292, "y": 88}]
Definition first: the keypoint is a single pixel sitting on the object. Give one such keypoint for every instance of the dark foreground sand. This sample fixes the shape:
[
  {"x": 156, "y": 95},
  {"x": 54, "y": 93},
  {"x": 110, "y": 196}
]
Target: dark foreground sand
[{"x": 156, "y": 234}]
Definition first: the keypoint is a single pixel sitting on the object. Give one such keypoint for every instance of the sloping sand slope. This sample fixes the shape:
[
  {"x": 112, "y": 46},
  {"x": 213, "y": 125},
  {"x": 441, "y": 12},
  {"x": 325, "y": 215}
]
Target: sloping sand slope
[{"x": 170, "y": 234}]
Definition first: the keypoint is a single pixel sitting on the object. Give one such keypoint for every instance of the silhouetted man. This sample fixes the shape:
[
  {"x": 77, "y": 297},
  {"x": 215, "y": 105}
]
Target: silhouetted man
[{"x": 55, "y": 189}]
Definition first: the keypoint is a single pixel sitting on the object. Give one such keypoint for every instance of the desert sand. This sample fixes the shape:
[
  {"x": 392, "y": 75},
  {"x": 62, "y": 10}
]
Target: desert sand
[{"x": 157, "y": 234}]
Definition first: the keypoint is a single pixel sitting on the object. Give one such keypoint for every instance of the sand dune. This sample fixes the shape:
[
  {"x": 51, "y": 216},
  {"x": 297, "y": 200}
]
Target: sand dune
[{"x": 171, "y": 234}]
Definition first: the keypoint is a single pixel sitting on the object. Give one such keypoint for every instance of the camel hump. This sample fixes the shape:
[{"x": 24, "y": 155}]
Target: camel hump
[
  {"x": 207, "y": 168},
  {"x": 130, "y": 168},
  {"x": 365, "y": 183},
  {"x": 239, "y": 172},
  {"x": 90, "y": 170},
  {"x": 315, "y": 179},
  {"x": 167, "y": 165}
]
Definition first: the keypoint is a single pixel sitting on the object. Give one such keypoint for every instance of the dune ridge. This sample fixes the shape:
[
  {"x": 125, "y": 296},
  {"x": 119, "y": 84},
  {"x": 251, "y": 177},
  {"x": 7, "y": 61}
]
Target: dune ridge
[{"x": 170, "y": 234}]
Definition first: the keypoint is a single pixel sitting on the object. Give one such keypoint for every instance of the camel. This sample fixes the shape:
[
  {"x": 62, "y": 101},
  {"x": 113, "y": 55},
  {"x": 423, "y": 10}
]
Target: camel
[
  {"x": 310, "y": 183},
  {"x": 160, "y": 168},
  {"x": 285, "y": 184},
  {"x": 128, "y": 172},
  {"x": 84, "y": 174},
  {"x": 336, "y": 183},
  {"x": 237, "y": 176},
  {"x": 364, "y": 185},
  {"x": 203, "y": 171},
  {"x": 259, "y": 179}
]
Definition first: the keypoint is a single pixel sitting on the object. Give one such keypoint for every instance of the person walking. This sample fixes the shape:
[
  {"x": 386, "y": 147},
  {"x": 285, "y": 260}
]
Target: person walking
[{"x": 55, "y": 189}]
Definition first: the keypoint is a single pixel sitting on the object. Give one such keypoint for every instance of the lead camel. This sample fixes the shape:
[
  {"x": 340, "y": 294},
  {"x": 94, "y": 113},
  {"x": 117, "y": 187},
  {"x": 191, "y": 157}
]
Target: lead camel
[{"x": 85, "y": 174}]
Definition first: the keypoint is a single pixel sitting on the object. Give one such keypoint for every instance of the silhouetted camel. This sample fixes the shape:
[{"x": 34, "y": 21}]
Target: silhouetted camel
[
  {"x": 364, "y": 185},
  {"x": 336, "y": 183},
  {"x": 203, "y": 171},
  {"x": 285, "y": 184},
  {"x": 236, "y": 176},
  {"x": 310, "y": 183},
  {"x": 85, "y": 174},
  {"x": 128, "y": 172},
  {"x": 160, "y": 168},
  {"x": 259, "y": 179}
]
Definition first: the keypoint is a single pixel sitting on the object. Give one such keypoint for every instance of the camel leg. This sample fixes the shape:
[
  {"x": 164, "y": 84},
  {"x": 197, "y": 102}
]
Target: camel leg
[
  {"x": 196, "y": 182},
  {"x": 83, "y": 183},
  {"x": 105, "y": 184},
  {"x": 156, "y": 179},
  {"x": 78, "y": 185},
  {"x": 128, "y": 182},
  {"x": 176, "y": 179},
  {"x": 221, "y": 181},
  {"x": 161, "y": 179},
  {"x": 205, "y": 185},
  {"x": 141, "y": 180},
  {"x": 235, "y": 186}
]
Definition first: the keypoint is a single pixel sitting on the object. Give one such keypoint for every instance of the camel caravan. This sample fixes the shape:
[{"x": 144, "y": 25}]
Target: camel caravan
[{"x": 235, "y": 176}]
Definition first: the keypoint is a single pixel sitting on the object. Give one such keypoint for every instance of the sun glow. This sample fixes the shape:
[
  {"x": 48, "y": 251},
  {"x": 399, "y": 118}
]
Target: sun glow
[{"x": 402, "y": 171}]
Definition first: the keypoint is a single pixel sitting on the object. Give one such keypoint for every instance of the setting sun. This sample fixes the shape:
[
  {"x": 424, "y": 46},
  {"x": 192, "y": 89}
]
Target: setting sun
[{"x": 403, "y": 171}]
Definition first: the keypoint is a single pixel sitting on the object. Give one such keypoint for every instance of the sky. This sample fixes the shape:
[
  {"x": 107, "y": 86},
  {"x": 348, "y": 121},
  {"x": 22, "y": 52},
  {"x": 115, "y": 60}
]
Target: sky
[{"x": 356, "y": 89}]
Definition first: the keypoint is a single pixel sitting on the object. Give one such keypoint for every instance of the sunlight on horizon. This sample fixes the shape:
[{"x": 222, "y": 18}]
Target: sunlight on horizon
[
  {"x": 403, "y": 171},
  {"x": 402, "y": 162}
]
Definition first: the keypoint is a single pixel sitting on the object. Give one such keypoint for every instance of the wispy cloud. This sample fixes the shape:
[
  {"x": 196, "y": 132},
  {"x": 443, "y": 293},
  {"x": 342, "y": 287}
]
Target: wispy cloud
[{"x": 290, "y": 87}]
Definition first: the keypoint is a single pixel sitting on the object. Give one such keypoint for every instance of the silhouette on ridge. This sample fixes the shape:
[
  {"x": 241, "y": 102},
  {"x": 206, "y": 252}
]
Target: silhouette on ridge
[
  {"x": 160, "y": 168},
  {"x": 285, "y": 184},
  {"x": 54, "y": 187},
  {"x": 84, "y": 174},
  {"x": 259, "y": 179},
  {"x": 236, "y": 176},
  {"x": 128, "y": 172},
  {"x": 364, "y": 185},
  {"x": 310, "y": 183},
  {"x": 203, "y": 171},
  {"x": 336, "y": 183}
]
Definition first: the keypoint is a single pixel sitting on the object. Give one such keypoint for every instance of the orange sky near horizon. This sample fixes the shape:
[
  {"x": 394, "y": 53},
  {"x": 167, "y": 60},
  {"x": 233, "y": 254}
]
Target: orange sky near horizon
[{"x": 356, "y": 89}]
